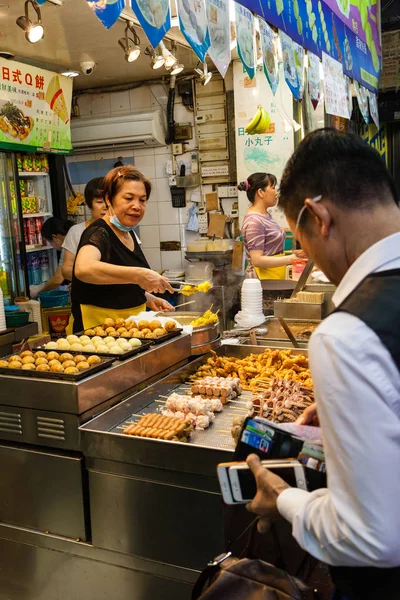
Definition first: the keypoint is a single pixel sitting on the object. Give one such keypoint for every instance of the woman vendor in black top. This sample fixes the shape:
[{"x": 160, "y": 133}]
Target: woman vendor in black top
[{"x": 111, "y": 277}]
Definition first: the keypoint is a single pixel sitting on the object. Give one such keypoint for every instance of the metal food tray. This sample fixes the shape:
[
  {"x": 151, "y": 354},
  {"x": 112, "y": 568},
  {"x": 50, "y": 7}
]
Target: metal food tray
[
  {"x": 63, "y": 376},
  {"x": 169, "y": 336},
  {"x": 128, "y": 354}
]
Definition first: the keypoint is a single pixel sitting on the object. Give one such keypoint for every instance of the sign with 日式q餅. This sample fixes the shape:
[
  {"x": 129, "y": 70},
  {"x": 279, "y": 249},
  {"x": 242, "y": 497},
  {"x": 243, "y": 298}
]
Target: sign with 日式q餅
[{"x": 35, "y": 109}]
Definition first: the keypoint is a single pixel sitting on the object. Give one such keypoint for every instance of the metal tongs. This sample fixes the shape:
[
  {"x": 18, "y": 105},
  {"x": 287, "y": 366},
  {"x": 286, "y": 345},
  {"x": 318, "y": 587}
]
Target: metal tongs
[{"x": 180, "y": 284}]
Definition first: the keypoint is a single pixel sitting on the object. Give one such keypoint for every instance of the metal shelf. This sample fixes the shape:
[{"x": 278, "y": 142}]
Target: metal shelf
[
  {"x": 38, "y": 248},
  {"x": 44, "y": 214},
  {"x": 32, "y": 174}
]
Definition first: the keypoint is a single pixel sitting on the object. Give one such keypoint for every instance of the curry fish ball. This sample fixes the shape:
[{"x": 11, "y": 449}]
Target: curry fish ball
[
  {"x": 28, "y": 367},
  {"x": 4, "y": 364},
  {"x": 39, "y": 354},
  {"x": 53, "y": 362},
  {"x": 71, "y": 370},
  {"x": 28, "y": 360},
  {"x": 43, "y": 368},
  {"x": 82, "y": 366},
  {"x": 57, "y": 368},
  {"x": 68, "y": 363},
  {"x": 26, "y": 353},
  {"x": 130, "y": 325},
  {"x": 109, "y": 330},
  {"x": 150, "y": 336},
  {"x": 108, "y": 323},
  {"x": 79, "y": 358},
  {"x": 41, "y": 361},
  {"x": 160, "y": 332},
  {"x": 119, "y": 323},
  {"x": 143, "y": 325},
  {"x": 170, "y": 326},
  {"x": 14, "y": 358},
  {"x": 94, "y": 360},
  {"x": 66, "y": 356},
  {"x": 90, "y": 332},
  {"x": 52, "y": 355},
  {"x": 15, "y": 364},
  {"x": 154, "y": 325}
]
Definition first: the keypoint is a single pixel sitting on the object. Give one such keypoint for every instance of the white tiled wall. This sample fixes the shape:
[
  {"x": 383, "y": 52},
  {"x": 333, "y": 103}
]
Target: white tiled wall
[{"x": 162, "y": 222}]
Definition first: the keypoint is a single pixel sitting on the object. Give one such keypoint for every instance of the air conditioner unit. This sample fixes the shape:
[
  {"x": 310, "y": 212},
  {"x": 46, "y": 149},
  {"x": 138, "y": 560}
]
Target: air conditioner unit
[{"x": 129, "y": 130}]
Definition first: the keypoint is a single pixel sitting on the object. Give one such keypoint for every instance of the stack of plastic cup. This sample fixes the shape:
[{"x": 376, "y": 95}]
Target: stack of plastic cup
[
  {"x": 251, "y": 314},
  {"x": 3, "y": 325}
]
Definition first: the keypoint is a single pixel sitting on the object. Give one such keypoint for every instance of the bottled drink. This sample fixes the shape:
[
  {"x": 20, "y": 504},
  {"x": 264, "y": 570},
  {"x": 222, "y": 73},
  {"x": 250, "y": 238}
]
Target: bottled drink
[
  {"x": 44, "y": 262},
  {"x": 30, "y": 270},
  {"x": 38, "y": 227},
  {"x": 36, "y": 269}
]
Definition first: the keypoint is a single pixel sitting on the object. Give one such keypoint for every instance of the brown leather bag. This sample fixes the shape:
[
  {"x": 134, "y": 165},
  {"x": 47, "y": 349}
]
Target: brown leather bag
[
  {"x": 230, "y": 578},
  {"x": 248, "y": 579}
]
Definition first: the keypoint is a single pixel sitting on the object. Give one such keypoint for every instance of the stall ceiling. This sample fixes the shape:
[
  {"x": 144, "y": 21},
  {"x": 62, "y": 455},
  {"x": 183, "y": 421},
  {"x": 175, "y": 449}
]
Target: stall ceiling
[{"x": 74, "y": 34}]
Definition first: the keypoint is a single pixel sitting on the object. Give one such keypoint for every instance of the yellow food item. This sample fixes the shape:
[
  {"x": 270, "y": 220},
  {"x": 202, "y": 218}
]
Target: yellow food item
[
  {"x": 208, "y": 318},
  {"x": 28, "y": 360},
  {"x": 68, "y": 363},
  {"x": 28, "y": 367},
  {"x": 82, "y": 366},
  {"x": 188, "y": 290},
  {"x": 3, "y": 364},
  {"x": 160, "y": 331},
  {"x": 170, "y": 326},
  {"x": 70, "y": 370},
  {"x": 26, "y": 353},
  {"x": 15, "y": 358},
  {"x": 43, "y": 368},
  {"x": 57, "y": 368},
  {"x": 256, "y": 370},
  {"x": 94, "y": 360},
  {"x": 154, "y": 325},
  {"x": 39, "y": 354}
]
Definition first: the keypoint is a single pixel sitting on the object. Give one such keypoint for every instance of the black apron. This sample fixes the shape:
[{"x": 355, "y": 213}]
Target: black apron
[{"x": 376, "y": 302}]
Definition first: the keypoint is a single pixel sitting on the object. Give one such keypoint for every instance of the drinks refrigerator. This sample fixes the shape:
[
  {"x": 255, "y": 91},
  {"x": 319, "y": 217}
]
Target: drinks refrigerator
[{"x": 25, "y": 203}]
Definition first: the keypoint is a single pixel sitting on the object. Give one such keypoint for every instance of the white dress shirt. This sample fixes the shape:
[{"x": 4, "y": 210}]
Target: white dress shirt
[{"x": 356, "y": 521}]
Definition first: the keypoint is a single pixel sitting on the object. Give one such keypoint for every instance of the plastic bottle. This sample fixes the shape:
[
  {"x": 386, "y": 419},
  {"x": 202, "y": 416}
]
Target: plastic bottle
[
  {"x": 3, "y": 325},
  {"x": 44, "y": 262},
  {"x": 36, "y": 269},
  {"x": 30, "y": 270}
]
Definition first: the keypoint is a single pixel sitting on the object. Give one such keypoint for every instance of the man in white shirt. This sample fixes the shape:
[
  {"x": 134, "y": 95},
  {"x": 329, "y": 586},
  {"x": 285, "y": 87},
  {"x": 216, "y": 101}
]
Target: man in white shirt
[{"x": 342, "y": 206}]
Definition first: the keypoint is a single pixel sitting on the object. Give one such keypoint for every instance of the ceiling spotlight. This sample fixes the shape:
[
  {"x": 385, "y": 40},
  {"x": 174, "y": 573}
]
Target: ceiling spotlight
[
  {"x": 178, "y": 68},
  {"x": 157, "y": 60},
  {"x": 130, "y": 45},
  {"x": 33, "y": 31},
  {"x": 169, "y": 59},
  {"x": 204, "y": 75},
  {"x": 70, "y": 73}
]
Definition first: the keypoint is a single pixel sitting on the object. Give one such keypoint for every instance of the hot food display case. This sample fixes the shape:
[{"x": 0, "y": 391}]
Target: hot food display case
[{"x": 100, "y": 513}]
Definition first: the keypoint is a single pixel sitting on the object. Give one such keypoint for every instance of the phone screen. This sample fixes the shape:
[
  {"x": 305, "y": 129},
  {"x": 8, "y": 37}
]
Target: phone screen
[
  {"x": 258, "y": 435},
  {"x": 248, "y": 484}
]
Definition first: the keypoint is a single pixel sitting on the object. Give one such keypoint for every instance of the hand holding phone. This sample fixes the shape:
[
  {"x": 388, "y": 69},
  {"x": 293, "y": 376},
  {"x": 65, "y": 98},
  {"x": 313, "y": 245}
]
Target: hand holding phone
[{"x": 238, "y": 484}]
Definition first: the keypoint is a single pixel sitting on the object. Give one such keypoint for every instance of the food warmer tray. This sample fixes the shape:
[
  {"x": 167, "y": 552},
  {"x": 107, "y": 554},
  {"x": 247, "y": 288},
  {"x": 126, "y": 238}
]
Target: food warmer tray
[
  {"x": 169, "y": 336},
  {"x": 137, "y": 350},
  {"x": 106, "y": 362},
  {"x": 103, "y": 437}
]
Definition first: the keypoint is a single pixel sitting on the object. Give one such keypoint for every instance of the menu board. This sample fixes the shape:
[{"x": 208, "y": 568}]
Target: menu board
[{"x": 35, "y": 109}]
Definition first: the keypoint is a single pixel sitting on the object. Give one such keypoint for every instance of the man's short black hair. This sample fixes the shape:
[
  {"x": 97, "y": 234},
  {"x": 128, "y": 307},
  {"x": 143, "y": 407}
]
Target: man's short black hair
[
  {"x": 94, "y": 189},
  {"x": 338, "y": 166},
  {"x": 55, "y": 226}
]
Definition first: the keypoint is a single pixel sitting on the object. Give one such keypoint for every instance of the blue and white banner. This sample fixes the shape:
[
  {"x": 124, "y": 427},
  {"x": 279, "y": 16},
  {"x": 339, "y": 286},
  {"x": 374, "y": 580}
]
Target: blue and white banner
[
  {"x": 108, "y": 11},
  {"x": 293, "y": 65},
  {"x": 268, "y": 47},
  {"x": 245, "y": 38},
  {"x": 154, "y": 17},
  {"x": 193, "y": 24},
  {"x": 220, "y": 34}
]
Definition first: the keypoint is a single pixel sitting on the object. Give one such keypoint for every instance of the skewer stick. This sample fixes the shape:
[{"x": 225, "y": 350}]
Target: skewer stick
[{"x": 185, "y": 303}]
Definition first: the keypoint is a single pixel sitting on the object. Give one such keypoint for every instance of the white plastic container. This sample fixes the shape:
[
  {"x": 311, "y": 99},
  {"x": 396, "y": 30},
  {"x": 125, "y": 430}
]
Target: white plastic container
[{"x": 3, "y": 325}]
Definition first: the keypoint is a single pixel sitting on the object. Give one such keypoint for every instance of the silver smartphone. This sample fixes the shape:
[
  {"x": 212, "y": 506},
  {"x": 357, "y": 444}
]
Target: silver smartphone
[{"x": 238, "y": 484}]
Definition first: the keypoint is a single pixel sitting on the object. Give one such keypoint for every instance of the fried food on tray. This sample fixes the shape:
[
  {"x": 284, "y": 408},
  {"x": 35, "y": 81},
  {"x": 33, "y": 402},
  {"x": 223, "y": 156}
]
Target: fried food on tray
[
  {"x": 282, "y": 401},
  {"x": 258, "y": 369},
  {"x": 159, "y": 427}
]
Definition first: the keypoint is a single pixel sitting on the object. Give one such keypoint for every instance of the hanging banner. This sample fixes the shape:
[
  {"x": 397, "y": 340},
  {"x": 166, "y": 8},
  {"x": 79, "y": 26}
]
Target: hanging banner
[
  {"x": 108, "y": 11},
  {"x": 314, "y": 79},
  {"x": 293, "y": 65},
  {"x": 35, "y": 109},
  {"x": 266, "y": 152},
  {"x": 245, "y": 38},
  {"x": 220, "y": 34},
  {"x": 335, "y": 89},
  {"x": 349, "y": 95},
  {"x": 362, "y": 99},
  {"x": 193, "y": 24},
  {"x": 154, "y": 18},
  {"x": 377, "y": 138},
  {"x": 373, "y": 107},
  {"x": 318, "y": 28},
  {"x": 270, "y": 61}
]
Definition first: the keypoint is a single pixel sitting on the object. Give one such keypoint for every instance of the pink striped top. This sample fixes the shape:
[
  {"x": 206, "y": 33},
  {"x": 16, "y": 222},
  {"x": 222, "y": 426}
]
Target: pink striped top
[{"x": 261, "y": 232}]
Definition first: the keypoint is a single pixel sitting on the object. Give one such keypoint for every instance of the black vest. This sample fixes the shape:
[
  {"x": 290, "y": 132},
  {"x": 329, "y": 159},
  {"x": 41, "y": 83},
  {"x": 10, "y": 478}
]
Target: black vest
[{"x": 376, "y": 302}]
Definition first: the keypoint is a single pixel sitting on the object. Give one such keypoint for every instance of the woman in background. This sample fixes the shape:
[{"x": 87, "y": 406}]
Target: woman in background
[
  {"x": 54, "y": 230},
  {"x": 264, "y": 239},
  {"x": 94, "y": 199}
]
